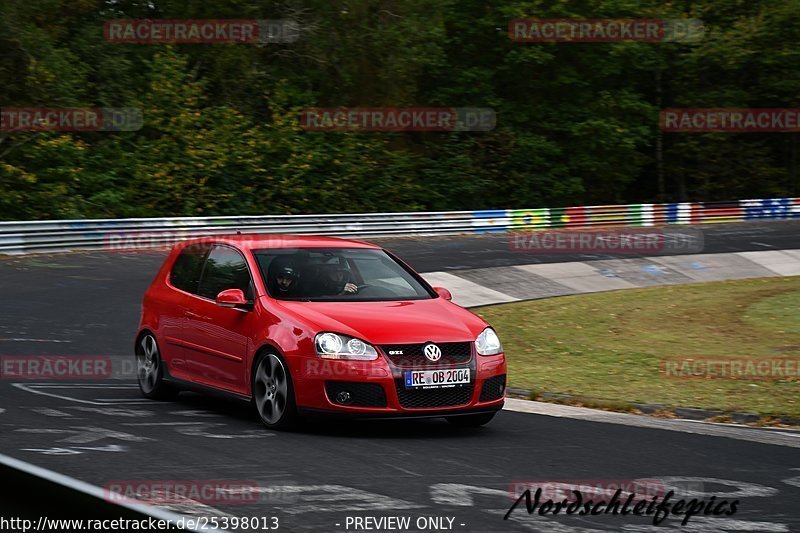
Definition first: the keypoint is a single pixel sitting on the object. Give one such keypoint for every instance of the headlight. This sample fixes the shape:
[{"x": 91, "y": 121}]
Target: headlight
[
  {"x": 335, "y": 346},
  {"x": 488, "y": 343}
]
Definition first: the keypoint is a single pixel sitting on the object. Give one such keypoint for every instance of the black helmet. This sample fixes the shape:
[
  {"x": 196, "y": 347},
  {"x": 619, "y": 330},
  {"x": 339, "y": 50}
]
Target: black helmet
[
  {"x": 288, "y": 272},
  {"x": 282, "y": 267}
]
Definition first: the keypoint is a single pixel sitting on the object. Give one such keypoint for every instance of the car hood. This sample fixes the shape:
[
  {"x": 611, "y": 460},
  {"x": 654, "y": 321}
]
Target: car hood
[{"x": 403, "y": 322}]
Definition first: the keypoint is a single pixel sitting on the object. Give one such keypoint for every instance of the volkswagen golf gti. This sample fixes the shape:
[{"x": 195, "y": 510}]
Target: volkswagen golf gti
[{"x": 314, "y": 325}]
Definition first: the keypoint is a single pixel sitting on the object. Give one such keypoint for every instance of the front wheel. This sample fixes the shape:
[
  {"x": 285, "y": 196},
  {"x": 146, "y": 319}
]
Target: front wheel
[
  {"x": 150, "y": 370},
  {"x": 273, "y": 393},
  {"x": 471, "y": 421}
]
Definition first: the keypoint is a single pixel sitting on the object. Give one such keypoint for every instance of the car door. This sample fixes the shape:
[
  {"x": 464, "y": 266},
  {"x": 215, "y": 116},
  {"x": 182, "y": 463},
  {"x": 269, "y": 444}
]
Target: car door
[
  {"x": 183, "y": 281},
  {"x": 217, "y": 337}
]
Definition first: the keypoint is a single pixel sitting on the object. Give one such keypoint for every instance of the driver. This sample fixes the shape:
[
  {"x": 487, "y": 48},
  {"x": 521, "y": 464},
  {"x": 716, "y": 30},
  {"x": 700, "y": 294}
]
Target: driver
[{"x": 337, "y": 281}]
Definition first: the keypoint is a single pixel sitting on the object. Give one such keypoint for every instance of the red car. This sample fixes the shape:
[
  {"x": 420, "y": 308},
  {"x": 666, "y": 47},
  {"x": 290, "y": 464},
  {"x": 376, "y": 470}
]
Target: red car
[{"x": 302, "y": 325}]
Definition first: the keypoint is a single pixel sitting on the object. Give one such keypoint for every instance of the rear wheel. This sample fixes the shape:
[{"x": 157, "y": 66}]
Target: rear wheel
[
  {"x": 273, "y": 393},
  {"x": 471, "y": 421},
  {"x": 150, "y": 370}
]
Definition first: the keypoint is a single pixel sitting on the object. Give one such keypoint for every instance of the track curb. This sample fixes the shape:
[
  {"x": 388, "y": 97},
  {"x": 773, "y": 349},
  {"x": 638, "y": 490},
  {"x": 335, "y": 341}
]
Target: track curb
[{"x": 655, "y": 410}]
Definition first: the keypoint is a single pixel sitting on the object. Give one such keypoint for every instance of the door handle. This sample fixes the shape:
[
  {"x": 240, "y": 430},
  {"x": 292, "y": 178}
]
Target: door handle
[{"x": 189, "y": 314}]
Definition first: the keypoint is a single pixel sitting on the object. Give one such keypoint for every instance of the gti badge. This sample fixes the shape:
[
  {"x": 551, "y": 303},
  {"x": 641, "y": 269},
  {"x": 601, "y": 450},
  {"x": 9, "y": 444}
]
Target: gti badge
[{"x": 432, "y": 352}]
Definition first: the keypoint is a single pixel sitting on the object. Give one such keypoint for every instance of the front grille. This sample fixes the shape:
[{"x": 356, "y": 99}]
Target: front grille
[
  {"x": 493, "y": 388},
  {"x": 417, "y": 398},
  {"x": 453, "y": 353},
  {"x": 361, "y": 394}
]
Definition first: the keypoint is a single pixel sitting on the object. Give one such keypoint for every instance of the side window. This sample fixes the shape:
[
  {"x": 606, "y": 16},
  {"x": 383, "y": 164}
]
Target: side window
[
  {"x": 185, "y": 274},
  {"x": 225, "y": 269}
]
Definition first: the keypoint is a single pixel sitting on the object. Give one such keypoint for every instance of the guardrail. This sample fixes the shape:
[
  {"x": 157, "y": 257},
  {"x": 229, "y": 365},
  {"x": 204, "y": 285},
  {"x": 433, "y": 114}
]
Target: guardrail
[{"x": 136, "y": 233}]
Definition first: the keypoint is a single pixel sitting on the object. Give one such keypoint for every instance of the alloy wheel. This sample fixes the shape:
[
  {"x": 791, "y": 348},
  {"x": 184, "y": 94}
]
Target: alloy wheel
[
  {"x": 271, "y": 389},
  {"x": 147, "y": 363}
]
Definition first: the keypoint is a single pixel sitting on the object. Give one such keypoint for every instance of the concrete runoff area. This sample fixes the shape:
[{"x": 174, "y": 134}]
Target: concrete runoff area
[
  {"x": 466, "y": 293},
  {"x": 514, "y": 282},
  {"x": 715, "y": 267},
  {"x": 561, "y": 279},
  {"x": 783, "y": 263}
]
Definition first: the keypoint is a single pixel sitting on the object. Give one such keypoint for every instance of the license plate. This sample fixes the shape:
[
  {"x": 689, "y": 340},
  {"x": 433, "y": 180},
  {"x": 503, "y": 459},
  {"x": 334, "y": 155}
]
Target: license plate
[{"x": 436, "y": 378}]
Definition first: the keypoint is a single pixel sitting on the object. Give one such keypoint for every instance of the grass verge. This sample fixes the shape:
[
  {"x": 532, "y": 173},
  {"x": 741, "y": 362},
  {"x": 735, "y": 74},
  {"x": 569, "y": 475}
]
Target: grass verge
[{"x": 610, "y": 345}]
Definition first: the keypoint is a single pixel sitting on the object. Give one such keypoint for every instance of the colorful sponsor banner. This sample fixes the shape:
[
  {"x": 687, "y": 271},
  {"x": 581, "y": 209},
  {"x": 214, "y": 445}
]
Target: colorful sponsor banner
[
  {"x": 640, "y": 215},
  {"x": 529, "y": 219},
  {"x": 721, "y": 212},
  {"x": 576, "y": 217},
  {"x": 671, "y": 212},
  {"x": 606, "y": 215},
  {"x": 490, "y": 221},
  {"x": 645, "y": 215},
  {"x": 560, "y": 217},
  {"x": 684, "y": 214},
  {"x": 567, "y": 217},
  {"x": 775, "y": 208}
]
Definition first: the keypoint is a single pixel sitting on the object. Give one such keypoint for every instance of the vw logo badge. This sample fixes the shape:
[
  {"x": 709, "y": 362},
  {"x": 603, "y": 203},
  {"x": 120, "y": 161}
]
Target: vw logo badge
[{"x": 432, "y": 352}]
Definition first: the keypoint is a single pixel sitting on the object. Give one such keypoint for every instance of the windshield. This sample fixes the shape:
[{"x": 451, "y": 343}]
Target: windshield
[{"x": 338, "y": 274}]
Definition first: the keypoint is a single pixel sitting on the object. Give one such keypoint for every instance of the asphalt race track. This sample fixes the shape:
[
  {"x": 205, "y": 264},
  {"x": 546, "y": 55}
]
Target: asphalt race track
[
  {"x": 315, "y": 478},
  {"x": 318, "y": 478},
  {"x": 494, "y": 249}
]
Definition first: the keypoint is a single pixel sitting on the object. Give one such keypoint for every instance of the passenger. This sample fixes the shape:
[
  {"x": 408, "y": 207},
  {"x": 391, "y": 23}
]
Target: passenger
[{"x": 284, "y": 278}]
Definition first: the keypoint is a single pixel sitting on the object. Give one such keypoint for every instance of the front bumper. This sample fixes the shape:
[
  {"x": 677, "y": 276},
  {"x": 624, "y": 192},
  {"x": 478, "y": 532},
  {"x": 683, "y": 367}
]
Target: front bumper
[
  {"x": 362, "y": 414},
  {"x": 378, "y": 389}
]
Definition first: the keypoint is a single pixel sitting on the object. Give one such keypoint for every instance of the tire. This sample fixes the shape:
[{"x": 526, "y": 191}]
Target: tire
[
  {"x": 273, "y": 393},
  {"x": 150, "y": 370},
  {"x": 471, "y": 421}
]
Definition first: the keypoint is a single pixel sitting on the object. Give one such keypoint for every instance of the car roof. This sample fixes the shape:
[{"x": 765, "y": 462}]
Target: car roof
[{"x": 262, "y": 241}]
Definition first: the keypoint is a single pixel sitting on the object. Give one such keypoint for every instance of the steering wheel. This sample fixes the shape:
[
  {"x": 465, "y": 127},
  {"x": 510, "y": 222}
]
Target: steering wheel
[{"x": 374, "y": 291}]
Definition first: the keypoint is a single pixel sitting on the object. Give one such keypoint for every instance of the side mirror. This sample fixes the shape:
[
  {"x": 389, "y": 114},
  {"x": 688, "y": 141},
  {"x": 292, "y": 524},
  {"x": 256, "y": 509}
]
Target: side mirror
[
  {"x": 443, "y": 293},
  {"x": 233, "y": 298}
]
